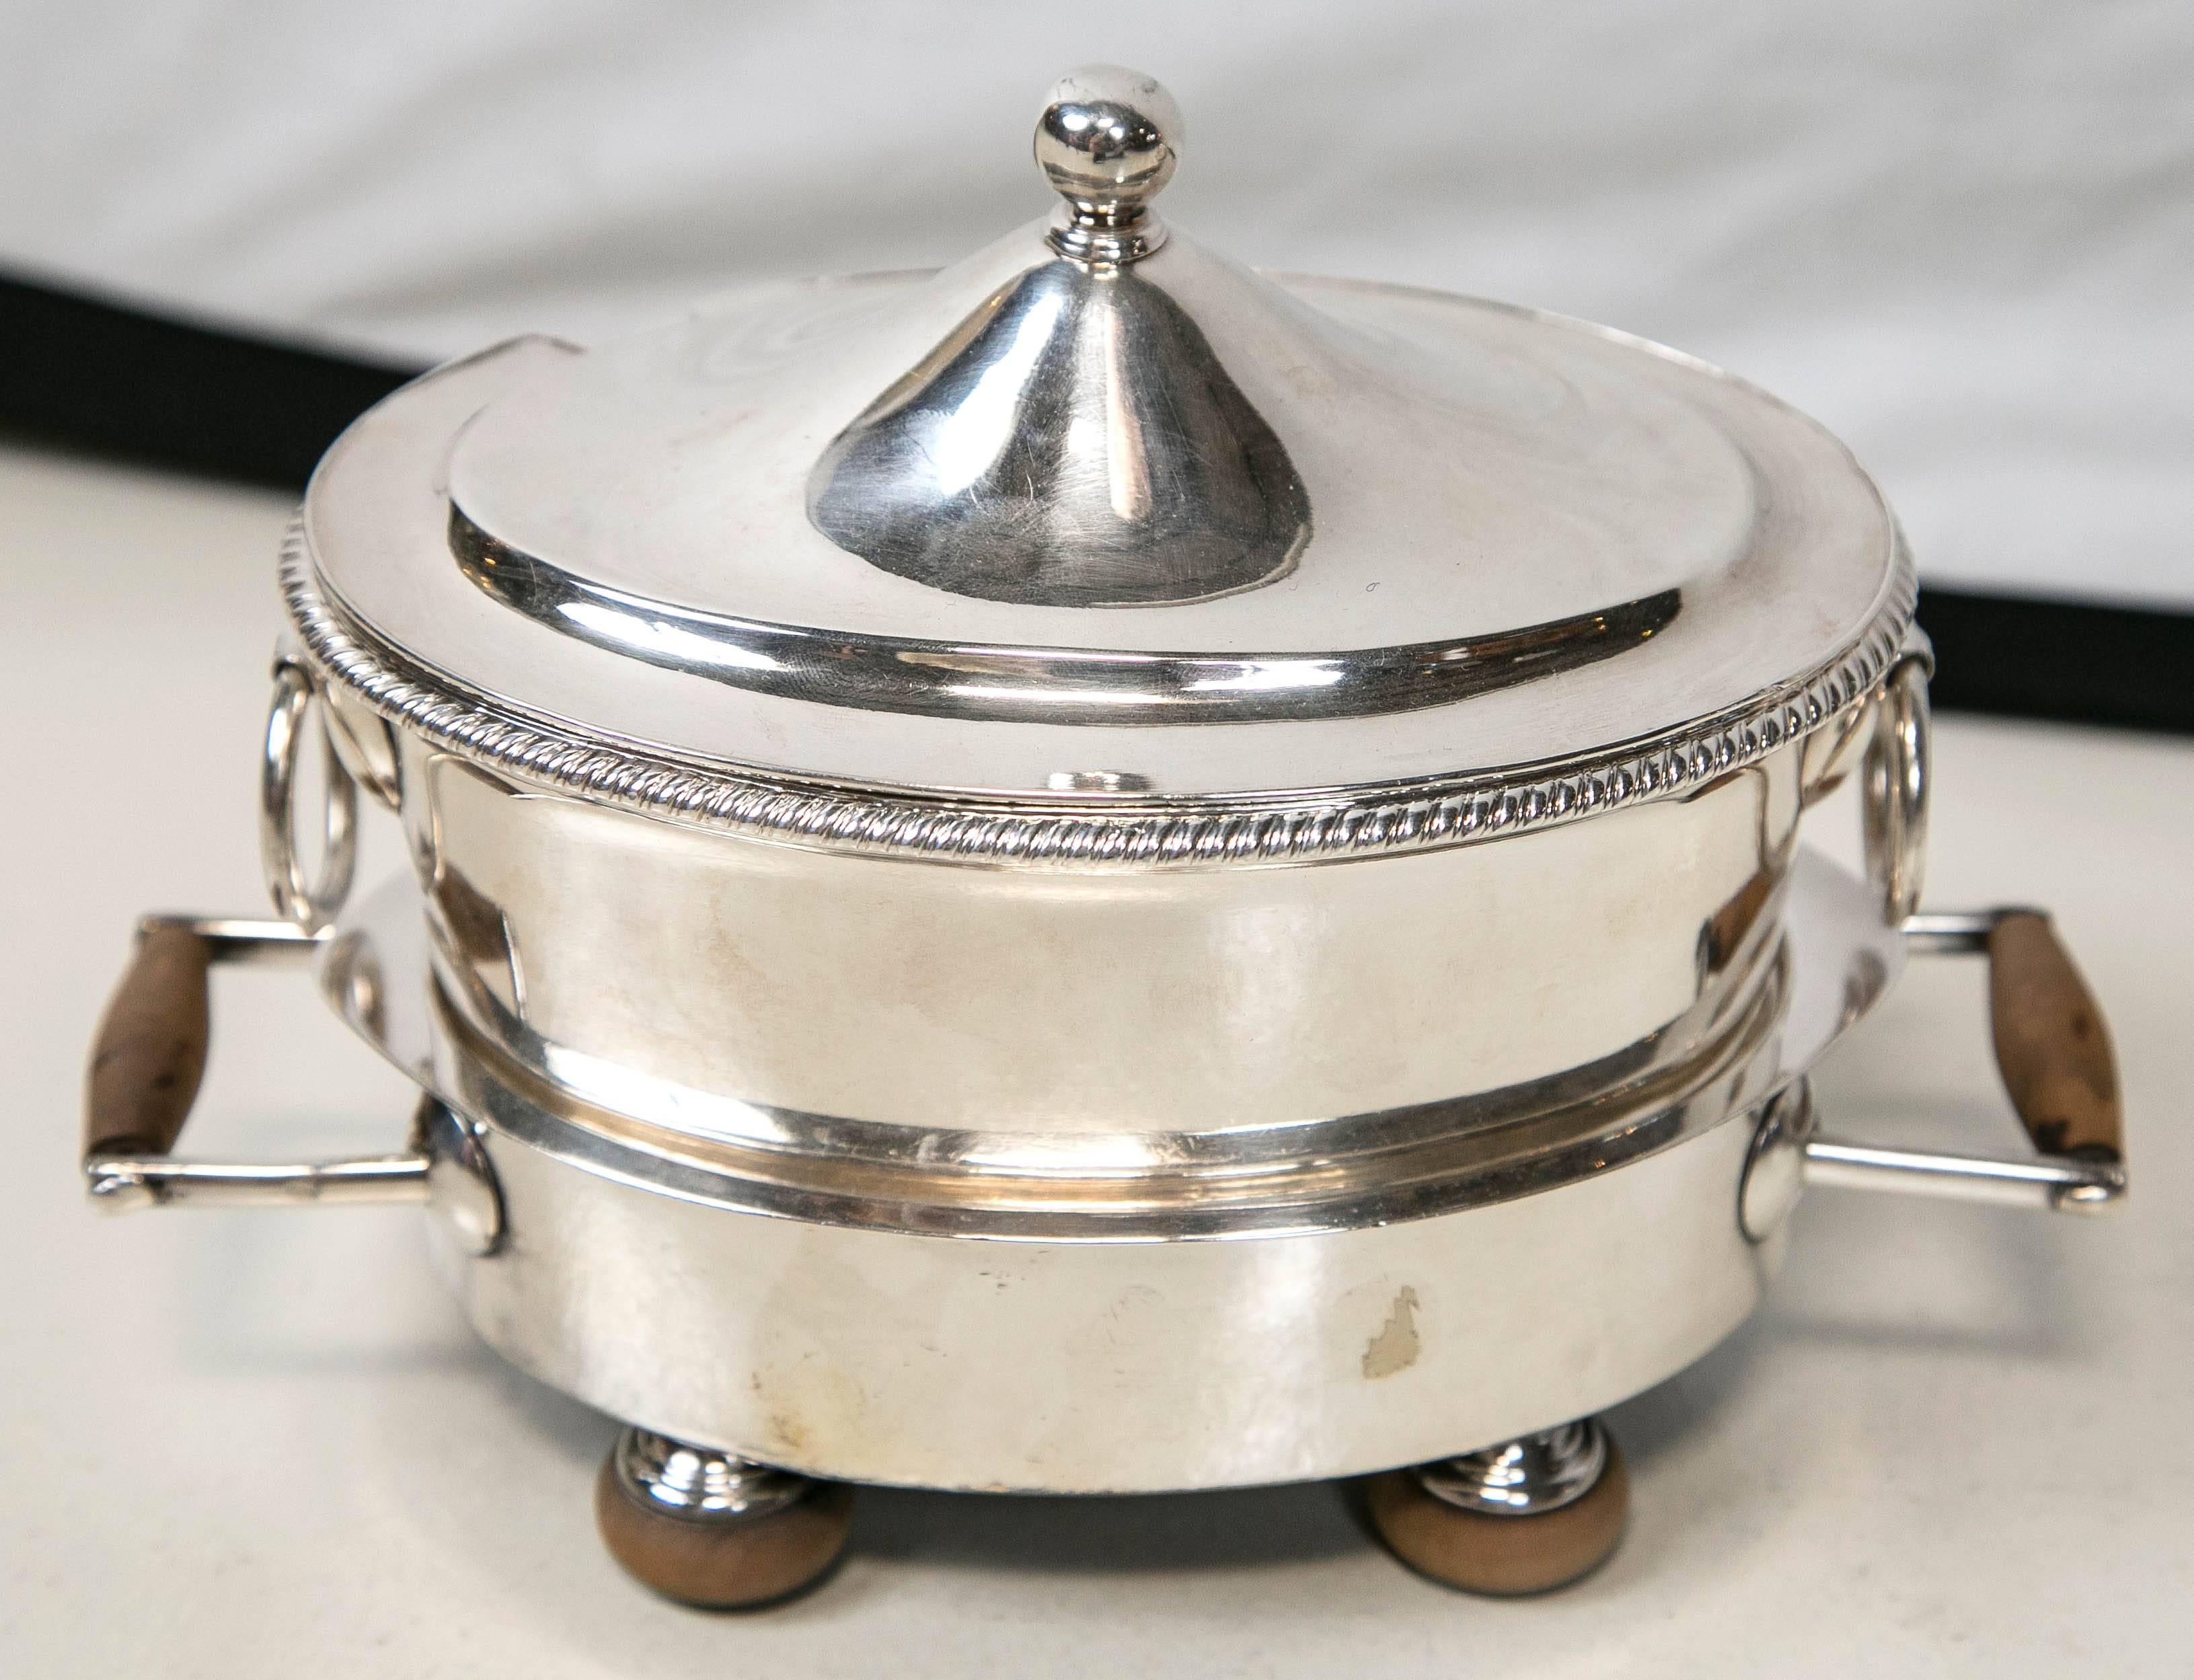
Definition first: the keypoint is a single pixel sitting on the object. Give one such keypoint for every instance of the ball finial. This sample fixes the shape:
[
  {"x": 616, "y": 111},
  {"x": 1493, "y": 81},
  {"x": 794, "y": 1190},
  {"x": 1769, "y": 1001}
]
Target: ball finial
[{"x": 1107, "y": 142}]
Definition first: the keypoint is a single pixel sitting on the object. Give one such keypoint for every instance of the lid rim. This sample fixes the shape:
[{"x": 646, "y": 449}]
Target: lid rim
[
  {"x": 1132, "y": 830},
  {"x": 1118, "y": 687}
]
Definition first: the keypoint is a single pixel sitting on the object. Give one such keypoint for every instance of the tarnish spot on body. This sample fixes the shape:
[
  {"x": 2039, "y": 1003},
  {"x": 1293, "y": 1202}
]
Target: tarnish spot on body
[
  {"x": 1395, "y": 1347},
  {"x": 788, "y": 1435}
]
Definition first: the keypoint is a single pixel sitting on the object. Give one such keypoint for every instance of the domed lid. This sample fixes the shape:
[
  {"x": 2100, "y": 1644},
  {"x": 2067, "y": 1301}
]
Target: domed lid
[{"x": 1096, "y": 520}]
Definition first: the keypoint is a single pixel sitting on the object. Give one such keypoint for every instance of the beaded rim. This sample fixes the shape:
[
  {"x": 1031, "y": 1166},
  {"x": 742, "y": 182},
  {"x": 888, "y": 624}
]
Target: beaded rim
[{"x": 1286, "y": 828}]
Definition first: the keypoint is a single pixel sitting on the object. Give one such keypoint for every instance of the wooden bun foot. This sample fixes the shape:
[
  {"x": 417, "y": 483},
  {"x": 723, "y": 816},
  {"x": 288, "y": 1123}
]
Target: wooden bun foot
[
  {"x": 1500, "y": 1555},
  {"x": 723, "y": 1563}
]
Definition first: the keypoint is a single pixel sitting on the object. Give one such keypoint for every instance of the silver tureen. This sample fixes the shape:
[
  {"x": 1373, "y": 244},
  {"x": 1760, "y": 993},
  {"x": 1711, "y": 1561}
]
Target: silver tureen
[{"x": 1099, "y": 872}]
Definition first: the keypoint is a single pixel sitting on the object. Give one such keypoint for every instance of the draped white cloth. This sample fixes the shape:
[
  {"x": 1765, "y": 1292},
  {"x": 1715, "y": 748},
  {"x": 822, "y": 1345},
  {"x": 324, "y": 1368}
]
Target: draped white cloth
[{"x": 1961, "y": 232}]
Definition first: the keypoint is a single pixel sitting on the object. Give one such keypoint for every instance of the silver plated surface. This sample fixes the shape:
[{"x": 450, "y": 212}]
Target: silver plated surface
[
  {"x": 994, "y": 1179},
  {"x": 2051, "y": 1185},
  {"x": 1118, "y": 687},
  {"x": 1106, "y": 566},
  {"x": 917, "y": 1357},
  {"x": 978, "y": 474},
  {"x": 1224, "y": 537},
  {"x": 311, "y": 902},
  {"x": 1107, "y": 141},
  {"x": 1119, "y": 818},
  {"x": 1525, "y": 1477},
  {"x": 845, "y": 1341},
  {"x": 132, "y": 1184},
  {"x": 1898, "y": 783},
  {"x": 1775, "y": 1173},
  {"x": 662, "y": 968},
  {"x": 698, "y": 1483}
]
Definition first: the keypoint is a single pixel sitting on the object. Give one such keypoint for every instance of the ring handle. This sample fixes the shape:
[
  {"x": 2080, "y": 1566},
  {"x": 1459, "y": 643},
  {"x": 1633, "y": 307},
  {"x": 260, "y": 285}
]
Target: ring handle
[
  {"x": 311, "y": 904},
  {"x": 2050, "y": 1045},
  {"x": 1896, "y": 785}
]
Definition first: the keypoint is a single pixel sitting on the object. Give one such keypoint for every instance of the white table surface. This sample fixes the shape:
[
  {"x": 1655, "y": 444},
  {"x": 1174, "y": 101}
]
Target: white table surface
[{"x": 1956, "y": 1441}]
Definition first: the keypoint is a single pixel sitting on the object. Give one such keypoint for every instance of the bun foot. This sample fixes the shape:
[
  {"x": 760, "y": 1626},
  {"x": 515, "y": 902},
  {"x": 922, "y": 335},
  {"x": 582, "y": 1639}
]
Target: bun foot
[
  {"x": 710, "y": 1529},
  {"x": 1525, "y": 1516}
]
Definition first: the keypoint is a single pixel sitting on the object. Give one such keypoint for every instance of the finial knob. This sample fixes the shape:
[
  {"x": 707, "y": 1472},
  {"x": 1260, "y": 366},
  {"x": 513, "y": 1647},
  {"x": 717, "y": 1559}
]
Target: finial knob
[{"x": 1107, "y": 142}]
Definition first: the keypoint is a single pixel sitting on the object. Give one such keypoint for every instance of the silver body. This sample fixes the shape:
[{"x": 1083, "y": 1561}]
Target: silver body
[
  {"x": 1218, "y": 972},
  {"x": 1096, "y": 872},
  {"x": 1098, "y": 1021},
  {"x": 880, "y": 1326}
]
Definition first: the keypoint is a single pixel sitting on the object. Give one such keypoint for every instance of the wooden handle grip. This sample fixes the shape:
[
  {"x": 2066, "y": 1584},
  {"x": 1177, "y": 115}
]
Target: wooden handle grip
[
  {"x": 150, "y": 1052},
  {"x": 2051, "y": 1044}
]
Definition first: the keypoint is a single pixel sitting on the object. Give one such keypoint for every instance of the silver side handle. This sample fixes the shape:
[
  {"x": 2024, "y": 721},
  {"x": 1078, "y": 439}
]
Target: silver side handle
[
  {"x": 146, "y": 1063},
  {"x": 2053, "y": 1051}
]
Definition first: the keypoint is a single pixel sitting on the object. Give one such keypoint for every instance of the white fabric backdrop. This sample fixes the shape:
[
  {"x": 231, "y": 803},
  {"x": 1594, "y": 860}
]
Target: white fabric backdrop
[{"x": 1960, "y": 232}]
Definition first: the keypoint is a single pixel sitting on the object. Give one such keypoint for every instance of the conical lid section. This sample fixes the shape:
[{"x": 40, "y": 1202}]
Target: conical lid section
[{"x": 1075, "y": 442}]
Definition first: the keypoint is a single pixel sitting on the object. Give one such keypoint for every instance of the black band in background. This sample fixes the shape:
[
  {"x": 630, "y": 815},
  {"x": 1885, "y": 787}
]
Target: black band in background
[
  {"x": 123, "y": 382},
  {"x": 95, "y": 376},
  {"x": 2018, "y": 656}
]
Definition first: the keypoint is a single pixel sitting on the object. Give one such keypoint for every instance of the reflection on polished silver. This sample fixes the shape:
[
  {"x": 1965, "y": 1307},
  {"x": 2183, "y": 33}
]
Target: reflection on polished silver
[
  {"x": 1527, "y": 1477},
  {"x": 1957, "y": 932},
  {"x": 980, "y": 1169},
  {"x": 1108, "y": 1364},
  {"x": 129, "y": 1183},
  {"x": 1118, "y": 687},
  {"x": 1095, "y": 782},
  {"x": 1132, "y": 834},
  {"x": 1064, "y": 1184},
  {"x": 1075, "y": 439},
  {"x": 740, "y": 1029},
  {"x": 1203, "y": 1338},
  {"x": 1333, "y": 1176},
  {"x": 699, "y": 1483},
  {"x": 460, "y": 1183},
  {"x": 246, "y": 942},
  {"x": 1108, "y": 141},
  {"x": 1775, "y": 1170},
  {"x": 366, "y": 744},
  {"x": 2052, "y": 1186},
  {"x": 1897, "y": 783},
  {"x": 311, "y": 904},
  {"x": 1074, "y": 442}
]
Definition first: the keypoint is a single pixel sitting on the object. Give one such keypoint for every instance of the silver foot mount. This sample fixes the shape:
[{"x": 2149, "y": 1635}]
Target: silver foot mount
[
  {"x": 699, "y": 1484},
  {"x": 1525, "y": 1477}
]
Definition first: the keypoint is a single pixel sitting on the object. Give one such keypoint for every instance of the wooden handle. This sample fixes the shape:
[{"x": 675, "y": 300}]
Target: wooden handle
[
  {"x": 2050, "y": 1045},
  {"x": 150, "y": 1052}
]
